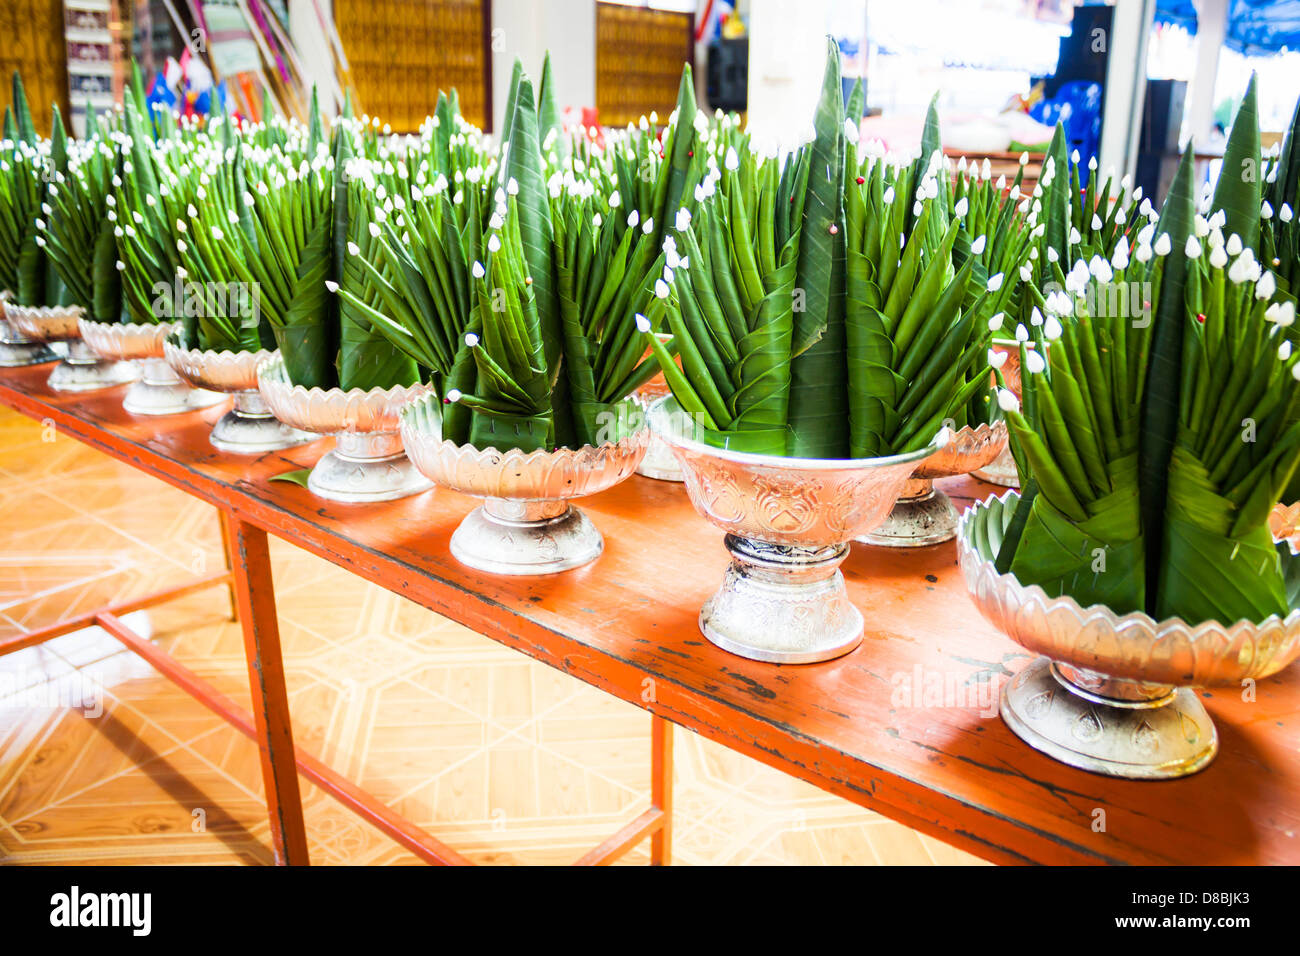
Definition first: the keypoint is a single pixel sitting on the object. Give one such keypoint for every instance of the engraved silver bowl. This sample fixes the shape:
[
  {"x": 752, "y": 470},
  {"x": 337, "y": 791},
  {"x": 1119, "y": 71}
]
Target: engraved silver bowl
[
  {"x": 367, "y": 462},
  {"x": 1112, "y": 693},
  {"x": 159, "y": 390},
  {"x": 924, "y": 515},
  {"x": 788, "y": 524},
  {"x": 248, "y": 428},
  {"x": 16, "y": 349},
  {"x": 81, "y": 370},
  {"x": 526, "y": 524}
]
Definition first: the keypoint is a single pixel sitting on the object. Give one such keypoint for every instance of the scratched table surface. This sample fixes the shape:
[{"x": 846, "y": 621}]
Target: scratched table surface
[{"x": 904, "y": 725}]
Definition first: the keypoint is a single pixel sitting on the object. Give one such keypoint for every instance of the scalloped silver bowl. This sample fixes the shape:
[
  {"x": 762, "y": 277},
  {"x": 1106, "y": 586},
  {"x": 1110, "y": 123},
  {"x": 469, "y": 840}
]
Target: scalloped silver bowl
[
  {"x": 1112, "y": 692},
  {"x": 368, "y": 462},
  {"x": 788, "y": 522},
  {"x": 525, "y": 524},
  {"x": 81, "y": 370},
  {"x": 159, "y": 391},
  {"x": 924, "y": 515},
  {"x": 248, "y": 428},
  {"x": 16, "y": 349}
]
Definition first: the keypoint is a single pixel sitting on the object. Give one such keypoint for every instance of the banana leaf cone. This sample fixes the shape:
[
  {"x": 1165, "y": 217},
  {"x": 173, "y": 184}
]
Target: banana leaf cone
[
  {"x": 1211, "y": 571},
  {"x": 106, "y": 280},
  {"x": 818, "y": 402},
  {"x": 306, "y": 337},
  {"x": 31, "y": 274},
  {"x": 367, "y": 359},
  {"x": 1098, "y": 560},
  {"x": 503, "y": 431}
]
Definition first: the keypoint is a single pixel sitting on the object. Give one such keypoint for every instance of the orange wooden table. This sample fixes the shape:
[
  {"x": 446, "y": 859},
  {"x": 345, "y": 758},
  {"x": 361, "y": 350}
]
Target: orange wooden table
[{"x": 905, "y": 725}]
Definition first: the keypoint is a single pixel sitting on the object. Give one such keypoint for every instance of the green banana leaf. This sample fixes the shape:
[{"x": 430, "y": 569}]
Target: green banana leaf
[
  {"x": 818, "y": 403},
  {"x": 524, "y": 168},
  {"x": 548, "y": 113},
  {"x": 1207, "y": 572},
  {"x": 1099, "y": 560},
  {"x": 23, "y": 112},
  {"x": 1239, "y": 190},
  {"x": 1160, "y": 405}
]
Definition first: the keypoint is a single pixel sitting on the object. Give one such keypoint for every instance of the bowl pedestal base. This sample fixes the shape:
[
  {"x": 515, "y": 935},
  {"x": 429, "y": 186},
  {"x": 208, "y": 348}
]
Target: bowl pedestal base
[
  {"x": 366, "y": 467},
  {"x": 1000, "y": 471},
  {"x": 17, "y": 350},
  {"x": 921, "y": 516},
  {"x": 516, "y": 536},
  {"x": 783, "y": 603},
  {"x": 659, "y": 462},
  {"x": 160, "y": 391},
  {"x": 84, "y": 371},
  {"x": 1120, "y": 728},
  {"x": 250, "y": 429}
]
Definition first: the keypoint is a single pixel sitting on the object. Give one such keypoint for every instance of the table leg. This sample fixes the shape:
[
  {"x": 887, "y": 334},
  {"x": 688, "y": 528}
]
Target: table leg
[
  {"x": 661, "y": 789},
  {"x": 255, "y": 599},
  {"x": 223, "y": 521}
]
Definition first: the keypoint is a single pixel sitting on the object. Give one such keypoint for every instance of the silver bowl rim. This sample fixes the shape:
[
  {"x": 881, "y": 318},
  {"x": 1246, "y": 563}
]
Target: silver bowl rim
[
  {"x": 124, "y": 330},
  {"x": 214, "y": 355},
  {"x": 129, "y": 326},
  {"x": 515, "y": 454},
  {"x": 1033, "y": 592},
  {"x": 44, "y": 313},
  {"x": 302, "y": 393},
  {"x": 660, "y": 408}
]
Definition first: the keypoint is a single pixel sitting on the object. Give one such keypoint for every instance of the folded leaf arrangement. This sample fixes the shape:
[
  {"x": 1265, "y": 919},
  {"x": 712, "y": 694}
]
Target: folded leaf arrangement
[
  {"x": 513, "y": 281},
  {"x": 817, "y": 303},
  {"x": 1157, "y": 449},
  {"x": 237, "y": 232},
  {"x": 29, "y": 165},
  {"x": 78, "y": 236}
]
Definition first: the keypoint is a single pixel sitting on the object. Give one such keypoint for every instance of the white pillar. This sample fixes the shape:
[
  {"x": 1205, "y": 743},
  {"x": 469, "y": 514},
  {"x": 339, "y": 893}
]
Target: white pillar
[
  {"x": 1126, "y": 83},
  {"x": 787, "y": 58},
  {"x": 1211, "y": 29},
  {"x": 314, "y": 50},
  {"x": 527, "y": 29}
]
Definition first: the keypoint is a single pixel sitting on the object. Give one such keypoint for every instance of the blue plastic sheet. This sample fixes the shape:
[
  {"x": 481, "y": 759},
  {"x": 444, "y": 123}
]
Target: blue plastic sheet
[{"x": 1255, "y": 27}]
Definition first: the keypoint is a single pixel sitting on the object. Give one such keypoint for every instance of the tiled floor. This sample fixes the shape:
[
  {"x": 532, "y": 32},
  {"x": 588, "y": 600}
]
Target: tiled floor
[{"x": 505, "y": 759}]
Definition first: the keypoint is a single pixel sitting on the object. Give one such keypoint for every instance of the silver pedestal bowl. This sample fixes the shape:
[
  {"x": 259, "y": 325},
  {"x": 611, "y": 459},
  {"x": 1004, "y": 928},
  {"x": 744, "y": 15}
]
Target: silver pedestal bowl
[
  {"x": 526, "y": 524},
  {"x": 923, "y": 515},
  {"x": 81, "y": 370},
  {"x": 659, "y": 462},
  {"x": 248, "y": 428},
  {"x": 788, "y": 524},
  {"x": 159, "y": 390},
  {"x": 368, "y": 462},
  {"x": 16, "y": 349},
  {"x": 1112, "y": 693}
]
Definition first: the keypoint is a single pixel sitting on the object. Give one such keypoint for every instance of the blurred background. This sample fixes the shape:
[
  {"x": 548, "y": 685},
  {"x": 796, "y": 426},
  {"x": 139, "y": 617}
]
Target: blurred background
[{"x": 1132, "y": 79}]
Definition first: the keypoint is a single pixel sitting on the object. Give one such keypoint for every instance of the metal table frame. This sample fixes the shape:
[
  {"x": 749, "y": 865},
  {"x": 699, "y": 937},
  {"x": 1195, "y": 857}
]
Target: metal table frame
[{"x": 252, "y": 596}]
